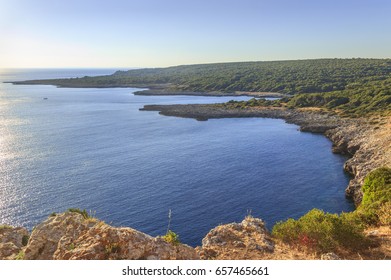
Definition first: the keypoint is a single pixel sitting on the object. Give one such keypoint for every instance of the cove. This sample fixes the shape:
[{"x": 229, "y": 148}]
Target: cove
[{"x": 93, "y": 149}]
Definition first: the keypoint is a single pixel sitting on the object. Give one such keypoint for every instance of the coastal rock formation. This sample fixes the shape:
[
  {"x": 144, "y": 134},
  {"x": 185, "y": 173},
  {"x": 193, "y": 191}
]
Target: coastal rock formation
[
  {"x": 73, "y": 236},
  {"x": 12, "y": 239},
  {"x": 246, "y": 240},
  {"x": 46, "y": 237},
  {"x": 369, "y": 147},
  {"x": 105, "y": 242}
]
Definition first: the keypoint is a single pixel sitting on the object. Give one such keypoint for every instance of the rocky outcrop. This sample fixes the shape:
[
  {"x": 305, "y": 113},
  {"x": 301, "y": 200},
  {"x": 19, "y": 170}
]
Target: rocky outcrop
[
  {"x": 369, "y": 147},
  {"x": 311, "y": 121},
  {"x": 71, "y": 236},
  {"x": 47, "y": 236},
  {"x": 246, "y": 240},
  {"x": 330, "y": 257},
  {"x": 105, "y": 242},
  {"x": 12, "y": 239}
]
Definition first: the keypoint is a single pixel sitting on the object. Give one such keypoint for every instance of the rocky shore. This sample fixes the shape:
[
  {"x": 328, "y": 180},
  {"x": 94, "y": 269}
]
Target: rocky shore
[
  {"x": 72, "y": 236},
  {"x": 367, "y": 142},
  {"x": 165, "y": 92}
]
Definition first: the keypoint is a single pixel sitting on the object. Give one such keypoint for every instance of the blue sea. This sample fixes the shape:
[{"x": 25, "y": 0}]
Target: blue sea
[{"x": 93, "y": 149}]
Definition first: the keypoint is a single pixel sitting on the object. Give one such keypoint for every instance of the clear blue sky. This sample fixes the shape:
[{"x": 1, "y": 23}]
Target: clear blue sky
[{"x": 149, "y": 33}]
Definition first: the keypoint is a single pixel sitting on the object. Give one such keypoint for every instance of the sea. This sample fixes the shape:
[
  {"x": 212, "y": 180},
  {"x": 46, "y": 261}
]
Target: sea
[{"x": 91, "y": 148}]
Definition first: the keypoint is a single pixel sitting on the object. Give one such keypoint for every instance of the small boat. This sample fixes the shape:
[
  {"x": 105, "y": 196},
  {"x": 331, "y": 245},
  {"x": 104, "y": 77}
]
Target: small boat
[{"x": 45, "y": 98}]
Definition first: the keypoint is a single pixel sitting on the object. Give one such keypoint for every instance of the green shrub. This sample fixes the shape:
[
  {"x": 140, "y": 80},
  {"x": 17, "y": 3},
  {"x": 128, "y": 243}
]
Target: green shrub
[
  {"x": 321, "y": 232},
  {"x": 25, "y": 240},
  {"x": 83, "y": 212},
  {"x": 172, "y": 237},
  {"x": 5, "y": 226},
  {"x": 385, "y": 214},
  {"x": 376, "y": 193},
  {"x": 112, "y": 248},
  {"x": 20, "y": 255}
]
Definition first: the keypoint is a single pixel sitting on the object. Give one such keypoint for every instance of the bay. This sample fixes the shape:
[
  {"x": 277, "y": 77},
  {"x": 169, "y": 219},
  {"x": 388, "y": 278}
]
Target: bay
[{"x": 93, "y": 149}]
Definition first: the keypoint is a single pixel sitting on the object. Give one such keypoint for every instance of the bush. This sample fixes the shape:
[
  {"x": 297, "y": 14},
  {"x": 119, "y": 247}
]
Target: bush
[
  {"x": 385, "y": 214},
  {"x": 321, "y": 232},
  {"x": 171, "y": 237},
  {"x": 5, "y": 226},
  {"x": 25, "y": 240},
  {"x": 81, "y": 212},
  {"x": 376, "y": 193}
]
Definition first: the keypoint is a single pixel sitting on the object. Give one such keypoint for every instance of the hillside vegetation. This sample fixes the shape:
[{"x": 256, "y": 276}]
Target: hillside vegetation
[
  {"x": 356, "y": 100},
  {"x": 351, "y": 87},
  {"x": 291, "y": 77}
]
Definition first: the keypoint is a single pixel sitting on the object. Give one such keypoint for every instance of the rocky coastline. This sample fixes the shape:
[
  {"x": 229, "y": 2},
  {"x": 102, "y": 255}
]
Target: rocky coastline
[
  {"x": 367, "y": 142},
  {"x": 169, "y": 92},
  {"x": 73, "y": 236}
]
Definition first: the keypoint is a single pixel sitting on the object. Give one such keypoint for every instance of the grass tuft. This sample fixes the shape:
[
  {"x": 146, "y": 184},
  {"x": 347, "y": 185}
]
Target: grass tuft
[{"x": 172, "y": 238}]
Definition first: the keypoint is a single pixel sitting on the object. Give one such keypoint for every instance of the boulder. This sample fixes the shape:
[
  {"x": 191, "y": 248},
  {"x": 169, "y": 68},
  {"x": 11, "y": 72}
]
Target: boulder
[
  {"x": 246, "y": 240},
  {"x": 12, "y": 239},
  {"x": 72, "y": 236}
]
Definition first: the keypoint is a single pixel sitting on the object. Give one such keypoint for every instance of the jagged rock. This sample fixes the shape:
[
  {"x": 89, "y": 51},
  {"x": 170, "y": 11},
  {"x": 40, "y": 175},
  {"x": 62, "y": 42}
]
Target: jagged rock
[
  {"x": 45, "y": 237},
  {"x": 105, "y": 242},
  {"x": 72, "y": 236},
  {"x": 369, "y": 148},
  {"x": 246, "y": 240},
  {"x": 12, "y": 240},
  {"x": 329, "y": 256}
]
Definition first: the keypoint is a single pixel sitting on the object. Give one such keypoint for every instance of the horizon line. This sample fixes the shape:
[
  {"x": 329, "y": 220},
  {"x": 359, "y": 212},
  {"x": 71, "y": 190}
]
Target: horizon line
[{"x": 190, "y": 64}]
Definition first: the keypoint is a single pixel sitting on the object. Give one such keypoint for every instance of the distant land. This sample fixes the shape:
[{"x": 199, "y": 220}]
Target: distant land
[{"x": 351, "y": 86}]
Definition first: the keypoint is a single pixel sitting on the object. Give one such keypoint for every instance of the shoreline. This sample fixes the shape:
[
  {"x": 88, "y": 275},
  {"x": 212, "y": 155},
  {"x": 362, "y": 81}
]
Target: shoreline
[
  {"x": 149, "y": 90},
  {"x": 368, "y": 146},
  {"x": 163, "y": 92}
]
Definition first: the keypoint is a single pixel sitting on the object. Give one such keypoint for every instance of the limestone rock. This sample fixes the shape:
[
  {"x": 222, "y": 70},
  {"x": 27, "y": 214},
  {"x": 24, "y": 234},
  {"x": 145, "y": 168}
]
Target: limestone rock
[
  {"x": 71, "y": 236},
  {"x": 12, "y": 240},
  {"x": 105, "y": 242},
  {"x": 45, "y": 237},
  {"x": 368, "y": 146},
  {"x": 330, "y": 256},
  {"x": 246, "y": 240}
]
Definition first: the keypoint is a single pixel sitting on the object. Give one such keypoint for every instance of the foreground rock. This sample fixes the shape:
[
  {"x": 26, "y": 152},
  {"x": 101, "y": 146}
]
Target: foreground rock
[
  {"x": 12, "y": 239},
  {"x": 70, "y": 236},
  {"x": 246, "y": 240}
]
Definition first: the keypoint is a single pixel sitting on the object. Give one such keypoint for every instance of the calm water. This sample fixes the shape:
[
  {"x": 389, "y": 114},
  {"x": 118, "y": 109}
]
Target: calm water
[{"x": 94, "y": 149}]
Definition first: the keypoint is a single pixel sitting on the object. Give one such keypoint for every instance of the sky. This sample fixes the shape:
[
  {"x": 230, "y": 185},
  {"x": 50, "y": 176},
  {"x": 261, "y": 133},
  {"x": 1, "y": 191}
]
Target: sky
[{"x": 159, "y": 33}]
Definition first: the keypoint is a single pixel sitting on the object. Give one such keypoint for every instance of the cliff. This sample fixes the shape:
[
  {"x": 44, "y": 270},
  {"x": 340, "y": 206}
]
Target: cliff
[{"x": 72, "y": 236}]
